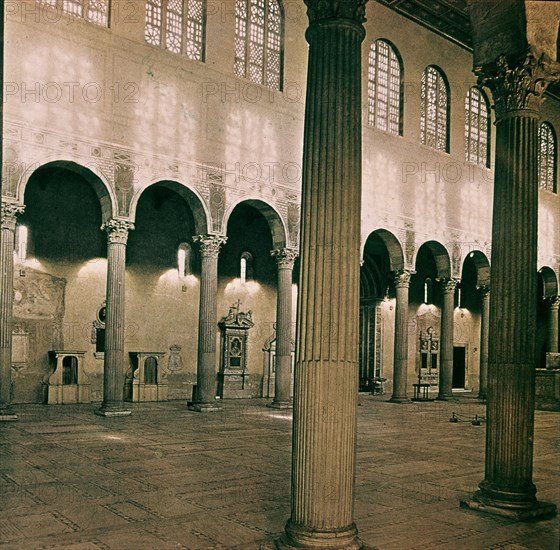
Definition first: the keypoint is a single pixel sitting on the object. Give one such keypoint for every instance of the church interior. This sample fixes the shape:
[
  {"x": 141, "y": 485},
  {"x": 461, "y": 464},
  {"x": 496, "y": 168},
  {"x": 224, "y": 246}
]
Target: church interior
[{"x": 280, "y": 274}]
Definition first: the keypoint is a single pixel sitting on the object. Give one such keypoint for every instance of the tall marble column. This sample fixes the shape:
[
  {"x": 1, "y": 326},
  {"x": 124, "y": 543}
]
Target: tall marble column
[
  {"x": 508, "y": 489},
  {"x": 446, "y": 339},
  {"x": 326, "y": 375},
  {"x": 285, "y": 259},
  {"x": 553, "y": 307},
  {"x": 10, "y": 211},
  {"x": 206, "y": 383},
  {"x": 483, "y": 346},
  {"x": 400, "y": 367},
  {"x": 114, "y": 360}
]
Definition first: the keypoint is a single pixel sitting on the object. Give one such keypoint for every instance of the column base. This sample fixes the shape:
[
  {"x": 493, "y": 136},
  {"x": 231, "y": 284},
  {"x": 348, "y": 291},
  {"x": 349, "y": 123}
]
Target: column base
[
  {"x": 299, "y": 538},
  {"x": 112, "y": 411},
  {"x": 399, "y": 400},
  {"x": 281, "y": 405},
  {"x": 204, "y": 407},
  {"x": 539, "y": 510}
]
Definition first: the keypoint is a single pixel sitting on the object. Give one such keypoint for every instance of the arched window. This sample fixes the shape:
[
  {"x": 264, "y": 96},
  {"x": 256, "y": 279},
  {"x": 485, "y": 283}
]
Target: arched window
[
  {"x": 547, "y": 157},
  {"x": 259, "y": 41},
  {"x": 434, "y": 109},
  {"x": 94, "y": 11},
  {"x": 428, "y": 291},
  {"x": 384, "y": 88},
  {"x": 184, "y": 259},
  {"x": 246, "y": 272},
  {"x": 179, "y": 26},
  {"x": 476, "y": 128}
]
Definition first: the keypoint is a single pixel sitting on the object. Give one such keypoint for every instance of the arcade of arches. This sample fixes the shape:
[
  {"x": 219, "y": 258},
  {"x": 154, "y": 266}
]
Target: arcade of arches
[{"x": 161, "y": 273}]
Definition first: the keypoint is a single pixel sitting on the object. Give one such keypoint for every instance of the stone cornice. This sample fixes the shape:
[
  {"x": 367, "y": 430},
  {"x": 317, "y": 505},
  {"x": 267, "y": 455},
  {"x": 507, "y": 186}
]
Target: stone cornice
[
  {"x": 518, "y": 85},
  {"x": 354, "y": 10},
  {"x": 117, "y": 230},
  {"x": 285, "y": 257},
  {"x": 10, "y": 212},
  {"x": 210, "y": 244}
]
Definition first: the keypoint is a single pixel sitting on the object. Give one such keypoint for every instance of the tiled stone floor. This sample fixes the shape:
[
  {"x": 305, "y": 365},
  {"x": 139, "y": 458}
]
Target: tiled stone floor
[{"x": 169, "y": 478}]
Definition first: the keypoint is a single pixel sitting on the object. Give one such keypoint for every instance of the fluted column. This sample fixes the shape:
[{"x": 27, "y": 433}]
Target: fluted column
[
  {"x": 553, "y": 307},
  {"x": 114, "y": 363},
  {"x": 10, "y": 211},
  {"x": 206, "y": 383},
  {"x": 446, "y": 339},
  {"x": 483, "y": 347},
  {"x": 326, "y": 376},
  {"x": 507, "y": 489},
  {"x": 285, "y": 259},
  {"x": 400, "y": 367}
]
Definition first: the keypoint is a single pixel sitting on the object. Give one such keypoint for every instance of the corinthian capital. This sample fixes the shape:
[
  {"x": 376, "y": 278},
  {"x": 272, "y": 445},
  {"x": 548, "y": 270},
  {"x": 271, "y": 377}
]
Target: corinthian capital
[
  {"x": 285, "y": 257},
  {"x": 10, "y": 212},
  {"x": 448, "y": 285},
  {"x": 354, "y": 10},
  {"x": 210, "y": 244},
  {"x": 117, "y": 230},
  {"x": 518, "y": 85},
  {"x": 484, "y": 289},
  {"x": 402, "y": 278}
]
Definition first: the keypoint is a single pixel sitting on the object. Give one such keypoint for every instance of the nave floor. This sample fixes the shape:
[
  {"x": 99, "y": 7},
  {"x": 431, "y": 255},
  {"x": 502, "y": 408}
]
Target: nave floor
[{"x": 168, "y": 478}]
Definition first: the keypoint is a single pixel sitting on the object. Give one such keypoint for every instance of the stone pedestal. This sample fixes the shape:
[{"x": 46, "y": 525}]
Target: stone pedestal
[
  {"x": 204, "y": 399},
  {"x": 446, "y": 342},
  {"x": 114, "y": 362},
  {"x": 285, "y": 259},
  {"x": 484, "y": 325},
  {"x": 10, "y": 211},
  {"x": 508, "y": 488},
  {"x": 326, "y": 375}
]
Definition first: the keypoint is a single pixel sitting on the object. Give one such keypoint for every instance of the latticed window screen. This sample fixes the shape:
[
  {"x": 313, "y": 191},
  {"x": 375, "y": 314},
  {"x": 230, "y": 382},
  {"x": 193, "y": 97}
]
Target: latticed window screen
[
  {"x": 94, "y": 11},
  {"x": 258, "y": 42},
  {"x": 384, "y": 88},
  {"x": 476, "y": 128},
  {"x": 177, "y": 25},
  {"x": 547, "y": 157},
  {"x": 433, "y": 109}
]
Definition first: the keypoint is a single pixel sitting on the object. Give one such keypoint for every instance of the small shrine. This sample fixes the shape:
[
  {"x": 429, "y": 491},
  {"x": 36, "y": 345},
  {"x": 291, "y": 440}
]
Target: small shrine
[
  {"x": 146, "y": 380},
  {"x": 233, "y": 379},
  {"x": 68, "y": 382}
]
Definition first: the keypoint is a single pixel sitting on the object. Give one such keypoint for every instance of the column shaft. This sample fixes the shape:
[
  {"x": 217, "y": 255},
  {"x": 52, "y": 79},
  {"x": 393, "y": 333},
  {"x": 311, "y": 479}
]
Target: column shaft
[
  {"x": 7, "y": 242},
  {"x": 114, "y": 360},
  {"x": 446, "y": 342},
  {"x": 483, "y": 347},
  {"x": 553, "y": 325},
  {"x": 400, "y": 367},
  {"x": 206, "y": 383},
  {"x": 326, "y": 384},
  {"x": 282, "y": 381}
]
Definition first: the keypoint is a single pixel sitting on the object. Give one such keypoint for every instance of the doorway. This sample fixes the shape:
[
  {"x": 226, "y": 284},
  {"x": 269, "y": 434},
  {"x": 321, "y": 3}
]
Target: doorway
[{"x": 459, "y": 367}]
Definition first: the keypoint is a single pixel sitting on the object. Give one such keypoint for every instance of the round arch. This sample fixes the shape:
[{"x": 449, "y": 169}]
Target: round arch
[
  {"x": 192, "y": 198},
  {"x": 441, "y": 258},
  {"x": 482, "y": 266},
  {"x": 273, "y": 218},
  {"x": 393, "y": 246},
  {"x": 91, "y": 173},
  {"x": 550, "y": 282}
]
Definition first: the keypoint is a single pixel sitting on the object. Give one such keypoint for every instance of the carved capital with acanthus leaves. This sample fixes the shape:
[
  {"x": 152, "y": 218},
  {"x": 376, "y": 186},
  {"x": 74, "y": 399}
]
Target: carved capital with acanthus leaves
[
  {"x": 518, "y": 85},
  {"x": 285, "y": 257},
  {"x": 402, "y": 278},
  {"x": 210, "y": 244},
  {"x": 117, "y": 230},
  {"x": 10, "y": 212},
  {"x": 448, "y": 286},
  {"x": 354, "y": 10}
]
